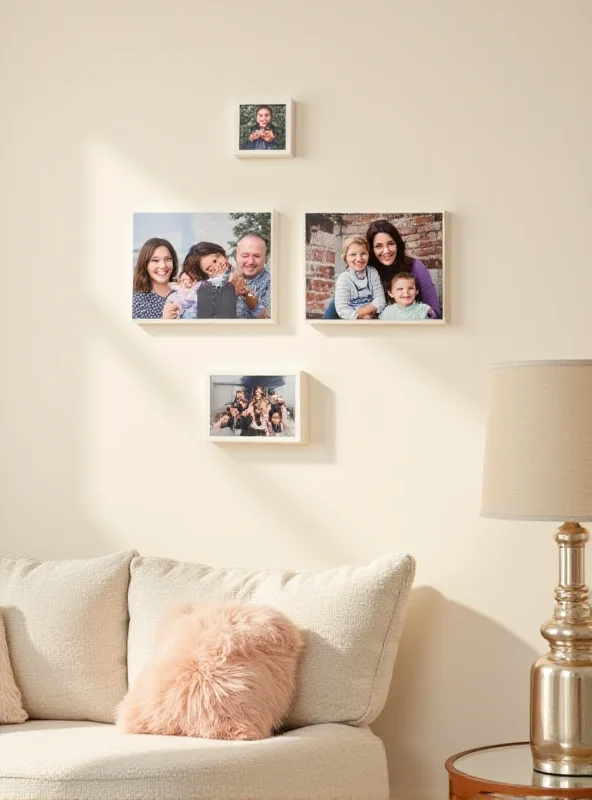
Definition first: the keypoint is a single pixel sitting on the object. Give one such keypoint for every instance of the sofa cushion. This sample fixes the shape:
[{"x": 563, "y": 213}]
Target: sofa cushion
[
  {"x": 11, "y": 709},
  {"x": 71, "y": 760},
  {"x": 217, "y": 672},
  {"x": 350, "y": 618},
  {"x": 66, "y": 627}
]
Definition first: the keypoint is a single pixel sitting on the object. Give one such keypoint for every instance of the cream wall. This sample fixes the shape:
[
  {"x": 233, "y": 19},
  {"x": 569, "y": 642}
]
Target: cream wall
[{"x": 481, "y": 108}]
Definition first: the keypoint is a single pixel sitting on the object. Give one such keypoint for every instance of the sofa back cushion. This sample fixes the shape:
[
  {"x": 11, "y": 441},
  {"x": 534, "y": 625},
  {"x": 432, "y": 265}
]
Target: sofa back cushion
[
  {"x": 11, "y": 709},
  {"x": 66, "y": 628},
  {"x": 350, "y": 618}
]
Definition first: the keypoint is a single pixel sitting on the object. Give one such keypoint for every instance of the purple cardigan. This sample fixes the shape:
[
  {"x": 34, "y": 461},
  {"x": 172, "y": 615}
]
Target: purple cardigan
[{"x": 427, "y": 290}]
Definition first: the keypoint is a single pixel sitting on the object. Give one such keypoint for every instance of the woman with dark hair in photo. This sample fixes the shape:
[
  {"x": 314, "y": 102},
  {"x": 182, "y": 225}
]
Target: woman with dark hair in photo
[
  {"x": 155, "y": 268},
  {"x": 258, "y": 394},
  {"x": 387, "y": 255}
]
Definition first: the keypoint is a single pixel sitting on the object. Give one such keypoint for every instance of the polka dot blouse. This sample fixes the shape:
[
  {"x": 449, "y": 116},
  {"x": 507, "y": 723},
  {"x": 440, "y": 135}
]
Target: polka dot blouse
[{"x": 147, "y": 305}]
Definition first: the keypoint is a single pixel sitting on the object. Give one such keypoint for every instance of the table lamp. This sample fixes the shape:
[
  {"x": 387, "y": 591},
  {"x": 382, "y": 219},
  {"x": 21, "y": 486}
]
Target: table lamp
[{"x": 538, "y": 466}]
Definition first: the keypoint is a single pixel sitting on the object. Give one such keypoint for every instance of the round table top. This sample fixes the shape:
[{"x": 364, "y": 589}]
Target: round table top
[{"x": 506, "y": 768}]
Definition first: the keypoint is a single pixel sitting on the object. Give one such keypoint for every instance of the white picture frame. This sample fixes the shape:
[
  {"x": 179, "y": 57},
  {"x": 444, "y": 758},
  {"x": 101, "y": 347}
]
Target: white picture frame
[
  {"x": 245, "y": 117},
  {"x": 183, "y": 228},
  {"x": 423, "y": 233},
  {"x": 222, "y": 391}
]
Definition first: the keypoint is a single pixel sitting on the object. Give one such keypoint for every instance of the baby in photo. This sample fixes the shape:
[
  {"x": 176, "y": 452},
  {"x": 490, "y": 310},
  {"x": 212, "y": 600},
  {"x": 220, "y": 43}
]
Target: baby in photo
[
  {"x": 358, "y": 290},
  {"x": 403, "y": 291},
  {"x": 185, "y": 296}
]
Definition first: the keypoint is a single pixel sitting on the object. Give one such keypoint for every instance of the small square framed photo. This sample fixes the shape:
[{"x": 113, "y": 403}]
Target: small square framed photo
[
  {"x": 257, "y": 409},
  {"x": 204, "y": 267},
  {"x": 383, "y": 268},
  {"x": 264, "y": 130}
]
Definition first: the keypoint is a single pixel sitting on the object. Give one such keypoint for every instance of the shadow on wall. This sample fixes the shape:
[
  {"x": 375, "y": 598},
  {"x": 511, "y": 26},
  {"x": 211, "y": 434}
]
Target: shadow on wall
[{"x": 461, "y": 680}]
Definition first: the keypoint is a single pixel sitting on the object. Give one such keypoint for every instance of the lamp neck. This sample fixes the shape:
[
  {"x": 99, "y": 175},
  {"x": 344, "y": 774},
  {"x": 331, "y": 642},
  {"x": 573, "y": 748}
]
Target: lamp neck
[
  {"x": 571, "y": 594},
  {"x": 569, "y": 633}
]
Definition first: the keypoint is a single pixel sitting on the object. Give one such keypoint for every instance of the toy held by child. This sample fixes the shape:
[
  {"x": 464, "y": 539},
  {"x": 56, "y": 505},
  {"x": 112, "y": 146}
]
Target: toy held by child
[
  {"x": 358, "y": 290},
  {"x": 403, "y": 291}
]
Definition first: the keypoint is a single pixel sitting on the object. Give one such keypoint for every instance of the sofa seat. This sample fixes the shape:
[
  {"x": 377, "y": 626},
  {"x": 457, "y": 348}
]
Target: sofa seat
[{"x": 61, "y": 760}]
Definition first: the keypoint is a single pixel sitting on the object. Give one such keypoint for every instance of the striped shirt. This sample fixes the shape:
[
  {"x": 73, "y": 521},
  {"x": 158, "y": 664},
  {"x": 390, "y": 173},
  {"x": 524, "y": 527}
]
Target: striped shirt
[{"x": 355, "y": 289}]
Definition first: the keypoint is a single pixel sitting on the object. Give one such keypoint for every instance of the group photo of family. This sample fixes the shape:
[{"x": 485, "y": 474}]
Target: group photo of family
[
  {"x": 202, "y": 266},
  {"x": 254, "y": 405},
  {"x": 384, "y": 267},
  {"x": 264, "y": 130}
]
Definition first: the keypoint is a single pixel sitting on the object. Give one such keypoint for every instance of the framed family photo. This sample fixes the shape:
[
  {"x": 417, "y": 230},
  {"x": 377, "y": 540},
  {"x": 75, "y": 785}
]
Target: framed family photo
[
  {"x": 264, "y": 130},
  {"x": 257, "y": 409},
  {"x": 385, "y": 268},
  {"x": 204, "y": 267}
]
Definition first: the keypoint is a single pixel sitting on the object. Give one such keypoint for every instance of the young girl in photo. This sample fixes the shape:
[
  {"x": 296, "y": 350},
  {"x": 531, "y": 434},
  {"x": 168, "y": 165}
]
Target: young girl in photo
[
  {"x": 258, "y": 413},
  {"x": 263, "y": 134},
  {"x": 217, "y": 286},
  {"x": 403, "y": 291},
  {"x": 276, "y": 425},
  {"x": 358, "y": 290},
  {"x": 240, "y": 401}
]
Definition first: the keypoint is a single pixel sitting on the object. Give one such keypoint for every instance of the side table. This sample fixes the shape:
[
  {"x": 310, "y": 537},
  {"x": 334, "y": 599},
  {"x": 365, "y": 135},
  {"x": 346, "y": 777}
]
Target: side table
[{"x": 504, "y": 772}]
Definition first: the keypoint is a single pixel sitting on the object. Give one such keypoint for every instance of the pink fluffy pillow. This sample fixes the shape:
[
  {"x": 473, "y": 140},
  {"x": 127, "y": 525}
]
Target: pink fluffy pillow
[{"x": 217, "y": 672}]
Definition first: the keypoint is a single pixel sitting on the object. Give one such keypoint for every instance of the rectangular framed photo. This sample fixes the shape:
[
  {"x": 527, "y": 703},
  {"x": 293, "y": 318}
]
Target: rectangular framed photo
[
  {"x": 376, "y": 268},
  {"x": 264, "y": 130},
  {"x": 257, "y": 409},
  {"x": 204, "y": 267}
]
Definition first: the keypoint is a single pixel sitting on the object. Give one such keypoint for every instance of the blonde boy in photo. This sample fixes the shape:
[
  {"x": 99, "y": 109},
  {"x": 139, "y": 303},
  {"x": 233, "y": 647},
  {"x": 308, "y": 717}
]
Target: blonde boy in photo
[{"x": 358, "y": 290}]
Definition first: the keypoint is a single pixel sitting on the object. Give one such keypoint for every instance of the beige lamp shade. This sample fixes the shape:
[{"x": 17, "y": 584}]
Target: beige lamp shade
[{"x": 538, "y": 446}]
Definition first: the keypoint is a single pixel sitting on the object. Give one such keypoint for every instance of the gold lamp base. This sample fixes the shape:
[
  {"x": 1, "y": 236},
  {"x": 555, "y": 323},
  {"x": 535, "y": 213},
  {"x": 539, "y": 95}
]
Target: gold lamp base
[{"x": 561, "y": 681}]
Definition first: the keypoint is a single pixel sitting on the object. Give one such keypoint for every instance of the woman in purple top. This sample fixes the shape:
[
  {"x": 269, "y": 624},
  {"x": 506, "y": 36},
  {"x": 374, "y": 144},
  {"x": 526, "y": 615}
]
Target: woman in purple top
[{"x": 387, "y": 255}]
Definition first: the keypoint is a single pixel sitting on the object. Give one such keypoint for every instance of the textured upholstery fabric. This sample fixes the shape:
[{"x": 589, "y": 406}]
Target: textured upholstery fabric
[
  {"x": 351, "y": 619},
  {"x": 66, "y": 627},
  {"x": 11, "y": 709},
  {"x": 74, "y": 760}
]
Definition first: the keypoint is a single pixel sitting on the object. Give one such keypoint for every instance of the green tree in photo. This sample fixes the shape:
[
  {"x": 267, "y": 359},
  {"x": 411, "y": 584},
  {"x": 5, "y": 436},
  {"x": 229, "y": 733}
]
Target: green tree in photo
[
  {"x": 259, "y": 223},
  {"x": 248, "y": 120}
]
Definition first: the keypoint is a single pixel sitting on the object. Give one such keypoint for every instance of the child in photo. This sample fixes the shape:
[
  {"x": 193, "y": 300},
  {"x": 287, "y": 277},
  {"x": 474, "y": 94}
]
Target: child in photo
[
  {"x": 185, "y": 296},
  {"x": 263, "y": 134},
  {"x": 403, "y": 291},
  {"x": 276, "y": 403},
  {"x": 258, "y": 396},
  {"x": 258, "y": 413},
  {"x": 240, "y": 401},
  {"x": 276, "y": 425},
  {"x": 216, "y": 296},
  {"x": 358, "y": 290},
  {"x": 217, "y": 285}
]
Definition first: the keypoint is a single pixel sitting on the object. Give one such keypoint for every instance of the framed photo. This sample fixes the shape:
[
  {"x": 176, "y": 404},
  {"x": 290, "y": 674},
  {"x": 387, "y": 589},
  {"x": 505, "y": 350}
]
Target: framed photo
[
  {"x": 264, "y": 130},
  {"x": 257, "y": 409},
  {"x": 376, "y": 268},
  {"x": 204, "y": 267}
]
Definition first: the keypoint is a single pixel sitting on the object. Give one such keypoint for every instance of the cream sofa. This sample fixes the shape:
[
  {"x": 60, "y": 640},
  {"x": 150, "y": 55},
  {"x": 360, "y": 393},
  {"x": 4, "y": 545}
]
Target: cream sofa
[{"x": 77, "y": 630}]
